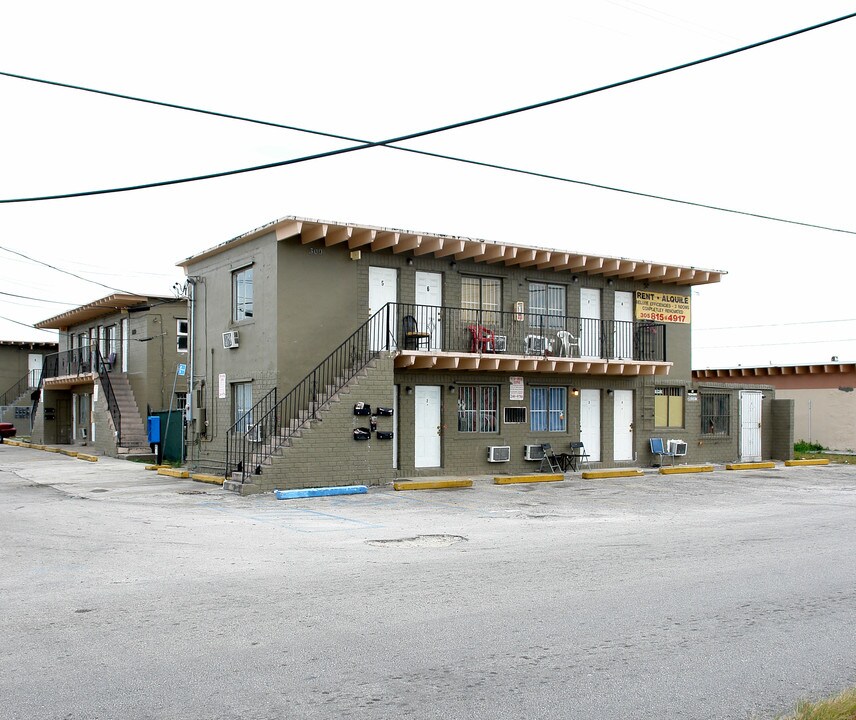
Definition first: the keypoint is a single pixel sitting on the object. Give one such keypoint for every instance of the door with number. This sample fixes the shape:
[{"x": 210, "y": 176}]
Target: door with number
[
  {"x": 590, "y": 423},
  {"x": 750, "y": 425},
  {"x": 383, "y": 289},
  {"x": 590, "y": 322},
  {"x": 429, "y": 301},
  {"x": 623, "y": 428},
  {"x": 427, "y": 426}
]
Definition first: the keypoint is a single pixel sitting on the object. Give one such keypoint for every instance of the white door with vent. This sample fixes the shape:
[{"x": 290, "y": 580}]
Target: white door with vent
[
  {"x": 429, "y": 301},
  {"x": 427, "y": 426},
  {"x": 622, "y": 335},
  {"x": 750, "y": 425},
  {"x": 383, "y": 289},
  {"x": 623, "y": 426},
  {"x": 590, "y": 322},
  {"x": 590, "y": 423}
]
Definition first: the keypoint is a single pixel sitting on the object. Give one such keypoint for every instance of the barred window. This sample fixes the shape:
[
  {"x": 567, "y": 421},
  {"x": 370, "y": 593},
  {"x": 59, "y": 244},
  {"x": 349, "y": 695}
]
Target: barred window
[
  {"x": 548, "y": 409},
  {"x": 669, "y": 407},
  {"x": 716, "y": 414},
  {"x": 478, "y": 408}
]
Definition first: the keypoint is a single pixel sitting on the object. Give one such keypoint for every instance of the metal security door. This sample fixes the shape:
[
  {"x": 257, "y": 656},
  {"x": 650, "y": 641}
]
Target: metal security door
[
  {"x": 622, "y": 335},
  {"x": 590, "y": 322},
  {"x": 383, "y": 289},
  {"x": 427, "y": 426},
  {"x": 590, "y": 423},
  {"x": 750, "y": 425},
  {"x": 429, "y": 299},
  {"x": 623, "y": 429}
]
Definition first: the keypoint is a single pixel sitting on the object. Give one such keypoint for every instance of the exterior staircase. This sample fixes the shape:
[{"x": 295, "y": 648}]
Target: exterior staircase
[
  {"x": 289, "y": 433},
  {"x": 133, "y": 438}
]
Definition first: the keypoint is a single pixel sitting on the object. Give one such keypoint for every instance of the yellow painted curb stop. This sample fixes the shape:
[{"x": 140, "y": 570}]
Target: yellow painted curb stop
[
  {"x": 432, "y": 484},
  {"x": 514, "y": 479},
  {"x": 798, "y": 463},
  {"x": 685, "y": 469},
  {"x": 599, "y": 474},
  {"x": 70, "y": 453},
  {"x": 171, "y": 472},
  {"x": 88, "y": 458},
  {"x": 156, "y": 467},
  {"x": 751, "y": 466},
  {"x": 52, "y": 449},
  {"x": 212, "y": 479}
]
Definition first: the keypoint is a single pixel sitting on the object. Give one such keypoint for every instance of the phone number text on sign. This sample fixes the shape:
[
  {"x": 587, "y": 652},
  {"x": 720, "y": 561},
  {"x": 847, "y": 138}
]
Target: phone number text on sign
[{"x": 662, "y": 307}]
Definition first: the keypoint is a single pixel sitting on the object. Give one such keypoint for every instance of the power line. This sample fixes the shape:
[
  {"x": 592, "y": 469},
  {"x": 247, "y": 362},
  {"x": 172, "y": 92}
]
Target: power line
[
  {"x": 32, "y": 327},
  {"x": 363, "y": 145},
  {"x": 45, "y": 300},
  {"x": 65, "y": 272}
]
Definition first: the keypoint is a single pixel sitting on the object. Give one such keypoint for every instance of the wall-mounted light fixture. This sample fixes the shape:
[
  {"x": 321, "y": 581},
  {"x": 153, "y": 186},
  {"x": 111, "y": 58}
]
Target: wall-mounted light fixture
[
  {"x": 575, "y": 279},
  {"x": 575, "y": 392},
  {"x": 408, "y": 390},
  {"x": 453, "y": 264},
  {"x": 356, "y": 254},
  {"x": 610, "y": 282},
  {"x": 451, "y": 388},
  {"x": 609, "y": 391},
  {"x": 410, "y": 261}
]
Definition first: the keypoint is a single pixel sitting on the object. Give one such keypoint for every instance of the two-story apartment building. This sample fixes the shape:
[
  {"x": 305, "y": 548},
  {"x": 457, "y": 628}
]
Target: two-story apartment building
[
  {"x": 467, "y": 353},
  {"x": 118, "y": 358}
]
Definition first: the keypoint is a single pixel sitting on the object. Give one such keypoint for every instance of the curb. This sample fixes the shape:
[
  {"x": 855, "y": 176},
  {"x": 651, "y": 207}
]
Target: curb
[
  {"x": 170, "y": 472},
  {"x": 432, "y": 484},
  {"x": 800, "y": 463},
  {"x": 514, "y": 479},
  {"x": 88, "y": 458},
  {"x": 321, "y": 492},
  {"x": 201, "y": 477},
  {"x": 686, "y": 469},
  {"x": 751, "y": 466},
  {"x": 600, "y": 474}
]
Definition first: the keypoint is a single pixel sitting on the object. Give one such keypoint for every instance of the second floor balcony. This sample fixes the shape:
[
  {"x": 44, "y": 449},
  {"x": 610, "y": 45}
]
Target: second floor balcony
[{"x": 448, "y": 338}]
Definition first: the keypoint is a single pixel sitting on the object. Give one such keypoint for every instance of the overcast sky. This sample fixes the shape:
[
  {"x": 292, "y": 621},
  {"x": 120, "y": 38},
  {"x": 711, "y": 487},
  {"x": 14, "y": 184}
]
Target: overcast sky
[{"x": 768, "y": 131}]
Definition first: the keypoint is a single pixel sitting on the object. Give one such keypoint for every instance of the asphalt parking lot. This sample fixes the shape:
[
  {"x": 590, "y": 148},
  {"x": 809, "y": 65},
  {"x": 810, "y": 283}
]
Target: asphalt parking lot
[{"x": 716, "y": 595}]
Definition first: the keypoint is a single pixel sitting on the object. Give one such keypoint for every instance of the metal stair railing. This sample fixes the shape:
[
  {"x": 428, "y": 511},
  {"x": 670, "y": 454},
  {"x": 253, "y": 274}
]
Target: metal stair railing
[
  {"x": 14, "y": 392},
  {"x": 109, "y": 395},
  {"x": 261, "y": 435},
  {"x": 244, "y": 434}
]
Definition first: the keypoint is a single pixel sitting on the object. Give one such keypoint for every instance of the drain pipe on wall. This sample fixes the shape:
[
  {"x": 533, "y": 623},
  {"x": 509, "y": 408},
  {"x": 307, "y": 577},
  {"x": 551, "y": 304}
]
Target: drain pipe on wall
[{"x": 191, "y": 286}]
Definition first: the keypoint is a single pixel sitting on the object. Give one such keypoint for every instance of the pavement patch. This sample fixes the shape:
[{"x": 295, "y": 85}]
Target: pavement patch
[{"x": 419, "y": 541}]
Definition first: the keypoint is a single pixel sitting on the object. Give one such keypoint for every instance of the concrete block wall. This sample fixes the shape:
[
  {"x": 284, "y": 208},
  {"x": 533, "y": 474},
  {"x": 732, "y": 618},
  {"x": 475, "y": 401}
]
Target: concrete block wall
[
  {"x": 104, "y": 442},
  {"x": 326, "y": 454}
]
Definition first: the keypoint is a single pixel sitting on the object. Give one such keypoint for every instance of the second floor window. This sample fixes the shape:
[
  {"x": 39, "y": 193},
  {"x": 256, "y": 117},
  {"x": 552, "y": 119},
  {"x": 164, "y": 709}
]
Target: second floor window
[
  {"x": 546, "y": 305},
  {"x": 242, "y": 294},
  {"x": 481, "y": 294},
  {"x": 181, "y": 335}
]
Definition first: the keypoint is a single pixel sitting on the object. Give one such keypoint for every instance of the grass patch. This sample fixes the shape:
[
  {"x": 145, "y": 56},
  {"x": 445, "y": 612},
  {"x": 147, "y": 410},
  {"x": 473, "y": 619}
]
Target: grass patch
[
  {"x": 832, "y": 457},
  {"x": 840, "y": 707},
  {"x": 801, "y": 446}
]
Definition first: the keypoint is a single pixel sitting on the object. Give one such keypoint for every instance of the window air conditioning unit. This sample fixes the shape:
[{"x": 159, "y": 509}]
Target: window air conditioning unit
[
  {"x": 533, "y": 452},
  {"x": 500, "y": 342},
  {"x": 499, "y": 453},
  {"x": 230, "y": 339},
  {"x": 678, "y": 448}
]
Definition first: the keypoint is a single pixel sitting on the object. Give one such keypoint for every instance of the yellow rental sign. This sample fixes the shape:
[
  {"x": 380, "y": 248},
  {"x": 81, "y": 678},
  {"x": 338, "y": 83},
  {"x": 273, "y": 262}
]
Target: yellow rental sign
[{"x": 662, "y": 307}]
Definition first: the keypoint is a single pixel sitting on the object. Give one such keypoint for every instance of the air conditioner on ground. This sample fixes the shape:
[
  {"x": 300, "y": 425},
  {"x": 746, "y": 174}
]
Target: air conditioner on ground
[
  {"x": 231, "y": 339},
  {"x": 533, "y": 452},
  {"x": 678, "y": 448},
  {"x": 500, "y": 343},
  {"x": 499, "y": 453}
]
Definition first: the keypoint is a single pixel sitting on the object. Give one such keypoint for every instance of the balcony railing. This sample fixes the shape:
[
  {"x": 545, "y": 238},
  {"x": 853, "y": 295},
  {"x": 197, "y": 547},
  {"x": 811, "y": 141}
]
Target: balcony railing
[
  {"x": 79, "y": 361},
  {"x": 462, "y": 330}
]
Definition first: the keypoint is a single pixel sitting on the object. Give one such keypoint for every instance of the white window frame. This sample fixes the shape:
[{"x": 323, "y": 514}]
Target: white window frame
[
  {"x": 242, "y": 294},
  {"x": 547, "y": 299},
  {"x": 548, "y": 409},
  {"x": 182, "y": 335}
]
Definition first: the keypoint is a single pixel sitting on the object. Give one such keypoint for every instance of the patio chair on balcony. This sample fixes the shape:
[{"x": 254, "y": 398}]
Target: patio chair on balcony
[
  {"x": 412, "y": 336},
  {"x": 482, "y": 339},
  {"x": 567, "y": 342}
]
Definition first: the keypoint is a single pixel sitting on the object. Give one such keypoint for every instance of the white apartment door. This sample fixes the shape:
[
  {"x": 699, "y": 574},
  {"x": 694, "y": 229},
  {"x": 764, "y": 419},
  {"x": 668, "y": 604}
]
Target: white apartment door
[
  {"x": 34, "y": 367},
  {"x": 126, "y": 343},
  {"x": 589, "y": 322},
  {"x": 750, "y": 425},
  {"x": 429, "y": 301},
  {"x": 623, "y": 428},
  {"x": 427, "y": 426},
  {"x": 622, "y": 335},
  {"x": 383, "y": 289},
  {"x": 590, "y": 423}
]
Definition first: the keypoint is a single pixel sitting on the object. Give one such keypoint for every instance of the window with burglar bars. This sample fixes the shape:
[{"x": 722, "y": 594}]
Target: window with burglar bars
[
  {"x": 715, "y": 414},
  {"x": 481, "y": 294},
  {"x": 478, "y": 408},
  {"x": 669, "y": 407},
  {"x": 546, "y": 300},
  {"x": 548, "y": 408}
]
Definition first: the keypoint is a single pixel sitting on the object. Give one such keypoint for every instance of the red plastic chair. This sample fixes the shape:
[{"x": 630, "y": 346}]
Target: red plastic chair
[{"x": 483, "y": 339}]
